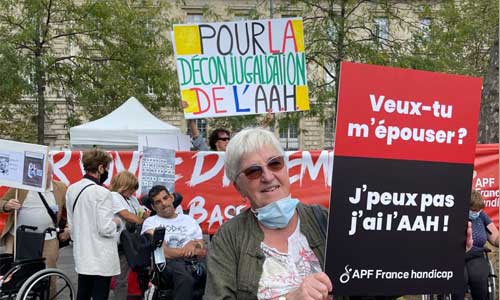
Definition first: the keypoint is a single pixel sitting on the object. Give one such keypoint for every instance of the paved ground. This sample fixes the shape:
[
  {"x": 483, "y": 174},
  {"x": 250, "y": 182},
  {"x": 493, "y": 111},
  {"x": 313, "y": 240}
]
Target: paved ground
[{"x": 67, "y": 265}]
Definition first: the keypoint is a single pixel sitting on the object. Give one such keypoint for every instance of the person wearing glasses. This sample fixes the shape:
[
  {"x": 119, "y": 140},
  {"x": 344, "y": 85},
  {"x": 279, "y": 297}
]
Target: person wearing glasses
[
  {"x": 218, "y": 138},
  {"x": 275, "y": 249}
]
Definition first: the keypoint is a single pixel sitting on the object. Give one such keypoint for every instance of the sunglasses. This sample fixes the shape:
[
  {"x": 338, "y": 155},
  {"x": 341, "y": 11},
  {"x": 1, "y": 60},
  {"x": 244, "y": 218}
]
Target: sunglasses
[
  {"x": 225, "y": 139},
  {"x": 274, "y": 164}
]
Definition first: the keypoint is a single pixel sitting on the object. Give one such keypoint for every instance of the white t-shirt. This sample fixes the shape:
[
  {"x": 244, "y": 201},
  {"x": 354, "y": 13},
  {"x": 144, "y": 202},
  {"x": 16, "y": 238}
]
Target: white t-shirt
[
  {"x": 34, "y": 213},
  {"x": 178, "y": 231},
  {"x": 132, "y": 205}
]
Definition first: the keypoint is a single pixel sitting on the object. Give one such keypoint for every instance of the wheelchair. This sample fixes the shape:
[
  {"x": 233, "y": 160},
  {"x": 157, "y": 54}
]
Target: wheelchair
[
  {"x": 164, "y": 290},
  {"x": 492, "y": 284},
  {"x": 139, "y": 250},
  {"x": 26, "y": 277}
]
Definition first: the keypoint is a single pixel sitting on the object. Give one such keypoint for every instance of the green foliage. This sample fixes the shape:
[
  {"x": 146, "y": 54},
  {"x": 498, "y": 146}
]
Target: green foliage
[
  {"x": 94, "y": 54},
  {"x": 127, "y": 55},
  {"x": 458, "y": 40},
  {"x": 15, "y": 121}
]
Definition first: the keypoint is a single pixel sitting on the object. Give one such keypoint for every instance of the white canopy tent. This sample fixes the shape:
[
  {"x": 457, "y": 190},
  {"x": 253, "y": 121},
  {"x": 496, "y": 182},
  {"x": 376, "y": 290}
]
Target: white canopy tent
[{"x": 120, "y": 129}]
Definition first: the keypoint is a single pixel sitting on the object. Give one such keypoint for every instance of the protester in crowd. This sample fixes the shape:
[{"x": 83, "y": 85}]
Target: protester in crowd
[
  {"x": 93, "y": 228},
  {"x": 33, "y": 212},
  {"x": 476, "y": 262},
  {"x": 218, "y": 138},
  {"x": 183, "y": 245},
  {"x": 129, "y": 210},
  {"x": 275, "y": 249}
]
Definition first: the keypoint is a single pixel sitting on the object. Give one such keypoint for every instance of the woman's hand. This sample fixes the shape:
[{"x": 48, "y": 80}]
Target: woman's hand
[
  {"x": 314, "y": 287},
  {"x": 12, "y": 204},
  {"x": 468, "y": 239},
  {"x": 64, "y": 236}
]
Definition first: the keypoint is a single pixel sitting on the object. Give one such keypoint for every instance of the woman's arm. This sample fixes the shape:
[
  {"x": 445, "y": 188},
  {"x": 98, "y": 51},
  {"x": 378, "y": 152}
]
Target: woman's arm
[
  {"x": 492, "y": 234},
  {"x": 129, "y": 217}
]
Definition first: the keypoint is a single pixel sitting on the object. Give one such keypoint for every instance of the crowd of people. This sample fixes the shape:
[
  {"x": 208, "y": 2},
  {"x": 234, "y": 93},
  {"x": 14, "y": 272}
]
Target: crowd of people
[{"x": 273, "y": 250}]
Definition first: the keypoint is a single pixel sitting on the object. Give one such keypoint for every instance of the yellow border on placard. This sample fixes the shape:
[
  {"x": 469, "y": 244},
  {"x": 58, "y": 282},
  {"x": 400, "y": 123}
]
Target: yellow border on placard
[{"x": 187, "y": 40}]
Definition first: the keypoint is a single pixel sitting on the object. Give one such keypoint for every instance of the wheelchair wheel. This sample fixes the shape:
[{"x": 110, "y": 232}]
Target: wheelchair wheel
[
  {"x": 38, "y": 286},
  {"x": 492, "y": 282}
]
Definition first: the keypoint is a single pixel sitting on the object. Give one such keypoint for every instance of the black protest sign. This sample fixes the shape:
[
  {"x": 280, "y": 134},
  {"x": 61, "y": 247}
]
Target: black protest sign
[{"x": 401, "y": 181}]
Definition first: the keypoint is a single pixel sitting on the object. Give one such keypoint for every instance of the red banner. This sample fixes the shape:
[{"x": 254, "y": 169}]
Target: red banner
[
  {"x": 212, "y": 200},
  {"x": 485, "y": 178}
]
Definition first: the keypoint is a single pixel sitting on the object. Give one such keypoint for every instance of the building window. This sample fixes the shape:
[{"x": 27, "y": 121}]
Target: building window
[
  {"x": 425, "y": 27},
  {"x": 150, "y": 92},
  {"x": 329, "y": 134},
  {"x": 381, "y": 29},
  {"x": 240, "y": 17},
  {"x": 289, "y": 137},
  {"x": 194, "y": 18},
  {"x": 202, "y": 127}
]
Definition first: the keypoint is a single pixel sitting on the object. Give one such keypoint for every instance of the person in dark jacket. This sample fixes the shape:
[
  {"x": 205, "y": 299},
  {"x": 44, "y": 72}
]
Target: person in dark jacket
[{"x": 275, "y": 249}]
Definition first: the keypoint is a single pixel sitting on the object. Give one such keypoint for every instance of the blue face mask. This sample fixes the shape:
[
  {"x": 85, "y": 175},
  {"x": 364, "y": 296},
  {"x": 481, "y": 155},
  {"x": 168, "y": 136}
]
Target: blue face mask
[
  {"x": 278, "y": 213},
  {"x": 474, "y": 214}
]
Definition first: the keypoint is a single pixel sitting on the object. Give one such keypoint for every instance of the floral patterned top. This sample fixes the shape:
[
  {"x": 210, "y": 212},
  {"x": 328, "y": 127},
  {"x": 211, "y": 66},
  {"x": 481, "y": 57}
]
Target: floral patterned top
[{"x": 284, "y": 272}]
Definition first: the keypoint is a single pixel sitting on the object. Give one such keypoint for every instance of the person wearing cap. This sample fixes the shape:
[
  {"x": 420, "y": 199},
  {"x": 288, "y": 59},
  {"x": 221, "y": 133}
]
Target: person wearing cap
[{"x": 183, "y": 245}]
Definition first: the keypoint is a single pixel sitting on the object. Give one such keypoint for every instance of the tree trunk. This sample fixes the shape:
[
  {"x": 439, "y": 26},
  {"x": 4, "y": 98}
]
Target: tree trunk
[
  {"x": 488, "y": 120},
  {"x": 40, "y": 98},
  {"x": 39, "y": 83}
]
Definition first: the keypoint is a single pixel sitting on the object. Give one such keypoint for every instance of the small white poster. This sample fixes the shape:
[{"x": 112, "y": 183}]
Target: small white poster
[
  {"x": 157, "y": 168},
  {"x": 23, "y": 165}
]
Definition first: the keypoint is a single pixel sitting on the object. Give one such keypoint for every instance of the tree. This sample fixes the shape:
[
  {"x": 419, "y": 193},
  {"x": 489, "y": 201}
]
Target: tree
[
  {"x": 462, "y": 39},
  {"x": 345, "y": 30},
  {"x": 12, "y": 87},
  {"x": 488, "y": 121},
  {"x": 94, "y": 54},
  {"x": 336, "y": 30}
]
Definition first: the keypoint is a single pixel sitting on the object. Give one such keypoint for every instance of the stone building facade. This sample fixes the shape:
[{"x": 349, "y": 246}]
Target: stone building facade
[{"x": 308, "y": 134}]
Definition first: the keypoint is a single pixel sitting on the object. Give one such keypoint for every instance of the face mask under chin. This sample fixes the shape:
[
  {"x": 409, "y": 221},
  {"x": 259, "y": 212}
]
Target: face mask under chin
[{"x": 277, "y": 215}]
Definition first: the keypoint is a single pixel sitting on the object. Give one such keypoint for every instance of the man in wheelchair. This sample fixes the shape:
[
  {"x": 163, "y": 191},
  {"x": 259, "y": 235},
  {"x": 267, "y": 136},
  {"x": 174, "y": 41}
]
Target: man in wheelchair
[{"x": 181, "y": 260}]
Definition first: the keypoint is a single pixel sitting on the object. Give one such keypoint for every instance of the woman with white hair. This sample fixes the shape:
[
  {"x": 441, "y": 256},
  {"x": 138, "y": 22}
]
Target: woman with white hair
[{"x": 275, "y": 249}]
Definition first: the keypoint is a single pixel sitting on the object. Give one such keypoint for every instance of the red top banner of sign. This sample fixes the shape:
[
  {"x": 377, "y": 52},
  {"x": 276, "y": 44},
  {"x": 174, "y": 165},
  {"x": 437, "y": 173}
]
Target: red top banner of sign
[
  {"x": 394, "y": 113},
  {"x": 212, "y": 200}
]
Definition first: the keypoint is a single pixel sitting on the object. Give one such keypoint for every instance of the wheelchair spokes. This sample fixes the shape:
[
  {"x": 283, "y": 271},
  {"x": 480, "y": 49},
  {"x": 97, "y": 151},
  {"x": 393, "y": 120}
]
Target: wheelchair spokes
[{"x": 47, "y": 284}]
